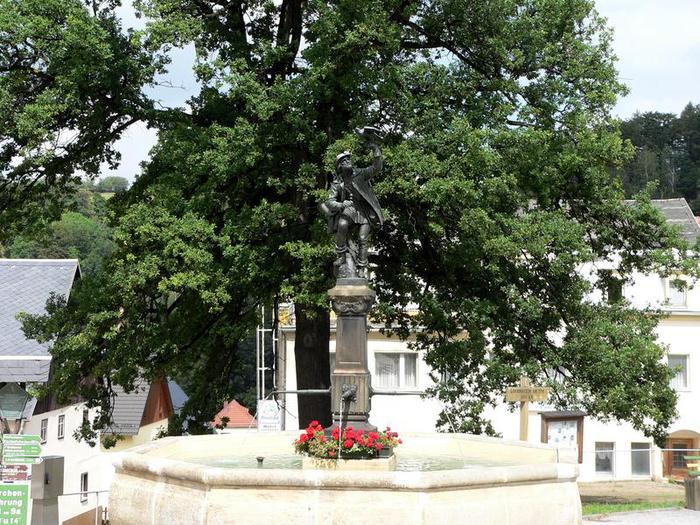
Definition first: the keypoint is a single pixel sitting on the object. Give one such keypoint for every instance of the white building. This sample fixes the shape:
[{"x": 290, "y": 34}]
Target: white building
[
  {"x": 606, "y": 450},
  {"x": 139, "y": 417}
]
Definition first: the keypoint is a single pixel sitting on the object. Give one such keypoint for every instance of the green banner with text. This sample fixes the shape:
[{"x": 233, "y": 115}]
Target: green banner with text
[{"x": 14, "y": 503}]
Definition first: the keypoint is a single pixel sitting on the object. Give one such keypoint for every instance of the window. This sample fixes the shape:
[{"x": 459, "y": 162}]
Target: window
[
  {"x": 44, "y": 430},
  {"x": 604, "y": 454},
  {"x": 83, "y": 487},
  {"x": 395, "y": 370},
  {"x": 331, "y": 360},
  {"x": 678, "y": 456},
  {"x": 640, "y": 459},
  {"x": 680, "y": 364},
  {"x": 612, "y": 286},
  {"x": 86, "y": 416},
  {"x": 61, "y": 426},
  {"x": 676, "y": 293}
]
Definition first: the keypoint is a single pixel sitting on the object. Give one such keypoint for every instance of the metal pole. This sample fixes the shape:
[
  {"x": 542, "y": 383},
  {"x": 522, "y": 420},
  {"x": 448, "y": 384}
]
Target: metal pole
[
  {"x": 97, "y": 507},
  {"x": 262, "y": 355},
  {"x": 257, "y": 365}
]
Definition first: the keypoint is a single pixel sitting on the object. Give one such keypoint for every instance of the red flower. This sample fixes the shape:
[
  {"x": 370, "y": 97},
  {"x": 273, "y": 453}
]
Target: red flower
[
  {"x": 378, "y": 446},
  {"x": 373, "y": 435},
  {"x": 400, "y": 441},
  {"x": 331, "y": 454},
  {"x": 314, "y": 423},
  {"x": 347, "y": 443},
  {"x": 303, "y": 438},
  {"x": 388, "y": 429}
]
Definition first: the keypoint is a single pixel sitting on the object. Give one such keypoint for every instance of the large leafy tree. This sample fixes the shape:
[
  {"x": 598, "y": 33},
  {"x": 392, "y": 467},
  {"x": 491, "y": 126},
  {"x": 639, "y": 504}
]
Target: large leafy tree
[
  {"x": 496, "y": 187},
  {"x": 70, "y": 84}
]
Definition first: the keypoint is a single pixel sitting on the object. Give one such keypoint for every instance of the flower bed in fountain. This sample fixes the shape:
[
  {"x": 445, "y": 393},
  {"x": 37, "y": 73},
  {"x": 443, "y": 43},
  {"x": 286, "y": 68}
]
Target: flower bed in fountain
[{"x": 352, "y": 444}]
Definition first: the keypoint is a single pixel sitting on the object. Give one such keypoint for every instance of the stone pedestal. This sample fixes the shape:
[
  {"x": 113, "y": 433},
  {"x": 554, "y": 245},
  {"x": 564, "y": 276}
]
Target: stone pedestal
[{"x": 351, "y": 300}]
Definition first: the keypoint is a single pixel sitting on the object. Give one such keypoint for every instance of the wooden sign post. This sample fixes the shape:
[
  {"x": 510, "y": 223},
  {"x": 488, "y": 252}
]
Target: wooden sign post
[{"x": 524, "y": 394}]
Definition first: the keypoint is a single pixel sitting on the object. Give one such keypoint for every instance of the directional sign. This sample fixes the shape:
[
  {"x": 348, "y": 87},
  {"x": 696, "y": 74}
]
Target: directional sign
[
  {"x": 20, "y": 438},
  {"x": 22, "y": 460},
  {"x": 21, "y": 450},
  {"x": 531, "y": 393},
  {"x": 524, "y": 394}
]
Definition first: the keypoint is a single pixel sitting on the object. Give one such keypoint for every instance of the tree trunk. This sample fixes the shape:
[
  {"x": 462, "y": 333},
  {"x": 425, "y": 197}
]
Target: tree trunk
[{"x": 312, "y": 362}]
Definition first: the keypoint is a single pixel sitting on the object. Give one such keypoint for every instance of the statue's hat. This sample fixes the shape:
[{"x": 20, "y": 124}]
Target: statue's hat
[{"x": 341, "y": 156}]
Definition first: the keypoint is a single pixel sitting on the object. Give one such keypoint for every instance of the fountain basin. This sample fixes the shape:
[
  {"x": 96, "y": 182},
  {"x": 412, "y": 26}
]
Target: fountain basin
[{"x": 520, "y": 483}]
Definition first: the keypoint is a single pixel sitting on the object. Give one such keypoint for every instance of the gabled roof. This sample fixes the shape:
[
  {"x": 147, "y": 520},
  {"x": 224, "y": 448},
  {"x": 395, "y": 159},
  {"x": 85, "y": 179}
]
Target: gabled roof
[
  {"x": 132, "y": 410},
  {"x": 238, "y": 416},
  {"x": 128, "y": 408},
  {"x": 678, "y": 213},
  {"x": 25, "y": 286}
]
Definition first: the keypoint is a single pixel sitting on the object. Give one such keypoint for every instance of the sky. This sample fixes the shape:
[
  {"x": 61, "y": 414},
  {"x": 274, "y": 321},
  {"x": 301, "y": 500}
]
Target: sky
[{"x": 657, "y": 43}]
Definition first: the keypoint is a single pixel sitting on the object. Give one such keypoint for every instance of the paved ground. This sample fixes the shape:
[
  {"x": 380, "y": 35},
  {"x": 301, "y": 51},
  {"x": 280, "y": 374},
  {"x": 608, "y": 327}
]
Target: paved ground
[
  {"x": 631, "y": 492},
  {"x": 647, "y": 517}
]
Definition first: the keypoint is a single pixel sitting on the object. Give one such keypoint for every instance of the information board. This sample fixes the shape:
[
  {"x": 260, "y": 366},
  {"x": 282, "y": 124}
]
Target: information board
[{"x": 269, "y": 416}]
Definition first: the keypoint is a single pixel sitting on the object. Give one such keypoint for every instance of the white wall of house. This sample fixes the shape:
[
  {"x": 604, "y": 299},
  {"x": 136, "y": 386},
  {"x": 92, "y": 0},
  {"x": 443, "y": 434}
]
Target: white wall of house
[
  {"x": 611, "y": 450},
  {"x": 79, "y": 458}
]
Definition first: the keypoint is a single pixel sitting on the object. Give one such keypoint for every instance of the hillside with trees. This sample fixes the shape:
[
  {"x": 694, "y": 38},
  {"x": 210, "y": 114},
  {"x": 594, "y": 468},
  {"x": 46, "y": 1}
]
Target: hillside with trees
[
  {"x": 82, "y": 232},
  {"x": 667, "y": 155}
]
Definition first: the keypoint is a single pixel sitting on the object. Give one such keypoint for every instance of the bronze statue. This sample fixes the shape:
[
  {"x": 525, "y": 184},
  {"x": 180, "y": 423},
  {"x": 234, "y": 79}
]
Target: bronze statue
[{"x": 352, "y": 204}]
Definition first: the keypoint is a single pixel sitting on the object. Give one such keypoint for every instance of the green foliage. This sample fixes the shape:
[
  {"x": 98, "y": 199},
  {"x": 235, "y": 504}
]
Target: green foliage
[
  {"x": 79, "y": 235},
  {"x": 112, "y": 184},
  {"x": 589, "y": 509},
  {"x": 496, "y": 188},
  {"x": 70, "y": 84},
  {"x": 667, "y": 155}
]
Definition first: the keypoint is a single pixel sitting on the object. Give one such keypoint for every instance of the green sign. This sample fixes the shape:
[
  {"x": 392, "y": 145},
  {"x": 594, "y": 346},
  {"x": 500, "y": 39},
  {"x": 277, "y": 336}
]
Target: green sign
[
  {"x": 14, "y": 503},
  {"x": 29, "y": 449},
  {"x": 21, "y": 460},
  {"x": 11, "y": 439}
]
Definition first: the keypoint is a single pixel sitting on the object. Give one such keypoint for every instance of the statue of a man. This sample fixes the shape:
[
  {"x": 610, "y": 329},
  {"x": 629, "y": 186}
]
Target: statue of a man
[{"x": 352, "y": 204}]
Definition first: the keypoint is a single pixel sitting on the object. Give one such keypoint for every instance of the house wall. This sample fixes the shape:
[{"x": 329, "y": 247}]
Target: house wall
[
  {"x": 679, "y": 332},
  {"x": 79, "y": 458},
  {"x": 146, "y": 434}
]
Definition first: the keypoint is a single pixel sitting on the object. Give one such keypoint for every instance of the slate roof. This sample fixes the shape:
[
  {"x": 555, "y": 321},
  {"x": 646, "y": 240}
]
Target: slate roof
[
  {"x": 678, "y": 213},
  {"x": 25, "y": 286},
  {"x": 128, "y": 408},
  {"x": 177, "y": 396}
]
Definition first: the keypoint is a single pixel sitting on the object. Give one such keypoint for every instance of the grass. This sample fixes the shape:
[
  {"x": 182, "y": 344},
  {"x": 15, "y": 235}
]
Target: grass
[{"x": 607, "y": 508}]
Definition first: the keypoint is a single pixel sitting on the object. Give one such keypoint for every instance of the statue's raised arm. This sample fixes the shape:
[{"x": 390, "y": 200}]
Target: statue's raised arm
[{"x": 372, "y": 136}]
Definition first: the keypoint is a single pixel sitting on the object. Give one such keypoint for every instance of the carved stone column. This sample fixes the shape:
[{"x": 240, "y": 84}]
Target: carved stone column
[{"x": 351, "y": 300}]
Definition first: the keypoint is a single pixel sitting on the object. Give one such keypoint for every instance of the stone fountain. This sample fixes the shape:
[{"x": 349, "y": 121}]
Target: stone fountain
[{"x": 440, "y": 478}]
